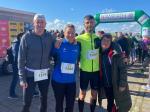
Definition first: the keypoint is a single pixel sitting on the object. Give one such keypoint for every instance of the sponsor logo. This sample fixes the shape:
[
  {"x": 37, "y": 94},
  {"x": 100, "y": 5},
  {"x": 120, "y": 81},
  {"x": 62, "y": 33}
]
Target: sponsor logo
[
  {"x": 126, "y": 16},
  {"x": 143, "y": 19}
]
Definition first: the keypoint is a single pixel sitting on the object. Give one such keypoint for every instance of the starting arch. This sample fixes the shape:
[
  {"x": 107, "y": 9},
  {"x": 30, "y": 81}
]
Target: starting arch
[{"x": 139, "y": 16}]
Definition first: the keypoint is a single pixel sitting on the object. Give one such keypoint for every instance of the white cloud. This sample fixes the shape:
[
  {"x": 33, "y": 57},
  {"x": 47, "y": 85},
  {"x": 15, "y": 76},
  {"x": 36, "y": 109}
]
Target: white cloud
[
  {"x": 120, "y": 27},
  {"x": 113, "y": 27},
  {"x": 60, "y": 24},
  {"x": 130, "y": 27},
  {"x": 56, "y": 21},
  {"x": 103, "y": 28},
  {"x": 72, "y": 9}
]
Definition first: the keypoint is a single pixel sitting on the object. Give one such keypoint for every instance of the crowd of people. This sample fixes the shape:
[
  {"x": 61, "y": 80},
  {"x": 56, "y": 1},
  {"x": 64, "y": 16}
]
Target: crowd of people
[{"x": 102, "y": 58}]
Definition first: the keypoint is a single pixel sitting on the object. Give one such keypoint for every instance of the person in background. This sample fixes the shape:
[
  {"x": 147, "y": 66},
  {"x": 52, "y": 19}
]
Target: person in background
[
  {"x": 115, "y": 37},
  {"x": 139, "y": 49},
  {"x": 15, "y": 49},
  {"x": 100, "y": 34},
  {"x": 124, "y": 44}
]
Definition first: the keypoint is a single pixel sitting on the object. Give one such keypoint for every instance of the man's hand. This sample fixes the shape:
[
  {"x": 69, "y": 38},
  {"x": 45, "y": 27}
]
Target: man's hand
[
  {"x": 58, "y": 43},
  {"x": 121, "y": 89},
  {"x": 24, "y": 85}
]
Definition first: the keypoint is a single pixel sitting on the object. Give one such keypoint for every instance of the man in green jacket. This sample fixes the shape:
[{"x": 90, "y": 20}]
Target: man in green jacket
[{"x": 89, "y": 63}]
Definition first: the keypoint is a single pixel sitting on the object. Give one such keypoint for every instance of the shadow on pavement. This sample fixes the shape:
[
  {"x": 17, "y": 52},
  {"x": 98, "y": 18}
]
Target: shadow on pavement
[
  {"x": 140, "y": 83},
  {"x": 137, "y": 75},
  {"x": 140, "y": 93}
]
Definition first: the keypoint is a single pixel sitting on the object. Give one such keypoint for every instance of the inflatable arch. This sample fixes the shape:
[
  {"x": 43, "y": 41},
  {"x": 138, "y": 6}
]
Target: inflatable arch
[{"x": 139, "y": 16}]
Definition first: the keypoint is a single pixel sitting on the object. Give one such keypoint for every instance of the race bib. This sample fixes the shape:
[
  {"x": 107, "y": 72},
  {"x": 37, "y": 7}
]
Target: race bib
[
  {"x": 40, "y": 75},
  {"x": 67, "y": 68},
  {"x": 92, "y": 54}
]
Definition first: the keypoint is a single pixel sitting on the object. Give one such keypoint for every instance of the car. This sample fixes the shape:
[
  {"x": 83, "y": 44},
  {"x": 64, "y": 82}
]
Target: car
[{"x": 5, "y": 67}]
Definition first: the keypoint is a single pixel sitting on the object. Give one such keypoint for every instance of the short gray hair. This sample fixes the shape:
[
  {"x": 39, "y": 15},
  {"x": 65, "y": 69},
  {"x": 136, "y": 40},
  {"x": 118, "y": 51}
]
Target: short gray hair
[
  {"x": 39, "y": 16},
  {"x": 69, "y": 26}
]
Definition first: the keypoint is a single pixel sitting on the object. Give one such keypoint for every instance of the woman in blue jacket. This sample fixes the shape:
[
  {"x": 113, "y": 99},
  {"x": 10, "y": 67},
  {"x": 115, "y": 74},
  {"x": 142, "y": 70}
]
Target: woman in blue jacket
[{"x": 63, "y": 77}]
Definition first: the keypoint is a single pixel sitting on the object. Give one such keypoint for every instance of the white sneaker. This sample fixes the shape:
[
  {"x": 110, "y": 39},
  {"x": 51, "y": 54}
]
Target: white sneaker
[{"x": 147, "y": 87}]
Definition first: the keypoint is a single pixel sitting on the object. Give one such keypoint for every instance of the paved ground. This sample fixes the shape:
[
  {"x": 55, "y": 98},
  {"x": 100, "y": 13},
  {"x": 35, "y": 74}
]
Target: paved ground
[{"x": 140, "y": 97}]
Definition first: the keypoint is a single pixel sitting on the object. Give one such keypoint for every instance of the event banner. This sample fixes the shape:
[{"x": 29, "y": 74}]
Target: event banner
[{"x": 4, "y": 37}]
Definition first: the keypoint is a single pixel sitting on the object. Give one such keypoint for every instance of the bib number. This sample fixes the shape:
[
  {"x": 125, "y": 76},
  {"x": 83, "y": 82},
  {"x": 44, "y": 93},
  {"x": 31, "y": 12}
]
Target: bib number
[
  {"x": 40, "y": 75},
  {"x": 67, "y": 68},
  {"x": 92, "y": 54}
]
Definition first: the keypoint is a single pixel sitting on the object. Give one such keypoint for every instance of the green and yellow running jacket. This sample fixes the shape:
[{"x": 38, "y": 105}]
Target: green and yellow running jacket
[{"x": 89, "y": 59}]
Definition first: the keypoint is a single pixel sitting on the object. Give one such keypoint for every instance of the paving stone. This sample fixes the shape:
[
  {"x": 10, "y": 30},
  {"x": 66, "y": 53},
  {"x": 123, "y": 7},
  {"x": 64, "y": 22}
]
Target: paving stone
[{"x": 140, "y": 97}]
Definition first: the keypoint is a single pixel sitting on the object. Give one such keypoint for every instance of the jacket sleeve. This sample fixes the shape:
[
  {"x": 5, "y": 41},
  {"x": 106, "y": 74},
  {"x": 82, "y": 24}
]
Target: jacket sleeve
[
  {"x": 54, "y": 51},
  {"x": 53, "y": 39},
  {"x": 79, "y": 50},
  {"x": 122, "y": 72},
  {"x": 97, "y": 43},
  {"x": 22, "y": 59}
]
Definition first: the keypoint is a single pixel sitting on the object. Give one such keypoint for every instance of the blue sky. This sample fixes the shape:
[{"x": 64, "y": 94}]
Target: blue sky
[{"x": 60, "y": 12}]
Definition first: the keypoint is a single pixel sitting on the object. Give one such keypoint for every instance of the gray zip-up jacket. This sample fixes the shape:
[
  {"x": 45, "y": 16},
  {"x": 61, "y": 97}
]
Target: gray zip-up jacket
[{"x": 34, "y": 53}]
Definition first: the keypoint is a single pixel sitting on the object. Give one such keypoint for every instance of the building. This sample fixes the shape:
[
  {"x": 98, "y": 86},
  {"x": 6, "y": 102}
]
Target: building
[{"x": 12, "y": 22}]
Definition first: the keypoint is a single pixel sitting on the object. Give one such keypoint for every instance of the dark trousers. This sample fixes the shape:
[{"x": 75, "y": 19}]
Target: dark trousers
[
  {"x": 62, "y": 91},
  {"x": 110, "y": 98},
  {"x": 28, "y": 94},
  {"x": 14, "y": 81},
  {"x": 144, "y": 55},
  {"x": 140, "y": 55},
  {"x": 109, "y": 95}
]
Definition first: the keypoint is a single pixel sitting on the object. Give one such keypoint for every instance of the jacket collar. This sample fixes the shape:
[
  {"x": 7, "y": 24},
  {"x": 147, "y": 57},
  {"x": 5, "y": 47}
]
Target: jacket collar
[{"x": 112, "y": 52}]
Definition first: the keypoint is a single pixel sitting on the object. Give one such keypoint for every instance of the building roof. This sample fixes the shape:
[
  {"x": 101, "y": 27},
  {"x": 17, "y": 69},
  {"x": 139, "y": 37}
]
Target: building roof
[
  {"x": 16, "y": 15},
  {"x": 16, "y": 11}
]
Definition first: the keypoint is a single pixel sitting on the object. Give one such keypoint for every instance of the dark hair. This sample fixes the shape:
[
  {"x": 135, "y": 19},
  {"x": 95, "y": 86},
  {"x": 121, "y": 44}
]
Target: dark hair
[
  {"x": 101, "y": 32},
  {"x": 107, "y": 35},
  {"x": 20, "y": 35},
  {"x": 89, "y": 17}
]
